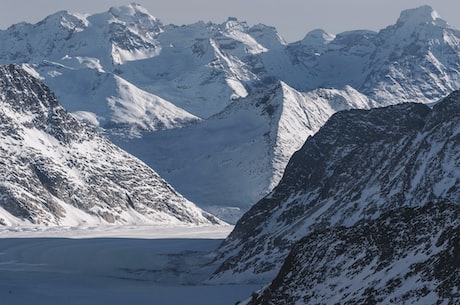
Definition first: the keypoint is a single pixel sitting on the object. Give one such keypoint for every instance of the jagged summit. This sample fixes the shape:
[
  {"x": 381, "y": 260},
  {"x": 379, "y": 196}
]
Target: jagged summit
[
  {"x": 234, "y": 23},
  {"x": 131, "y": 9}
]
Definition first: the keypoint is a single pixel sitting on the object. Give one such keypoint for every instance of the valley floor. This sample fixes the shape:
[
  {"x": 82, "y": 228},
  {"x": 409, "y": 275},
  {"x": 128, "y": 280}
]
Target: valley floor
[{"x": 113, "y": 265}]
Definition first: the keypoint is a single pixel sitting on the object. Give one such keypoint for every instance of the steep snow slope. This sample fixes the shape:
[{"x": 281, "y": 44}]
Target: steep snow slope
[
  {"x": 108, "y": 101},
  {"x": 204, "y": 66},
  {"x": 228, "y": 162},
  {"x": 358, "y": 165},
  {"x": 57, "y": 171},
  {"x": 406, "y": 256}
]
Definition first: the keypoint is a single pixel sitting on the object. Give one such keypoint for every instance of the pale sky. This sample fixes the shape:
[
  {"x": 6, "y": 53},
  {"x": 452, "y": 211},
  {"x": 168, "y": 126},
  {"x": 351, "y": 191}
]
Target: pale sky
[{"x": 292, "y": 18}]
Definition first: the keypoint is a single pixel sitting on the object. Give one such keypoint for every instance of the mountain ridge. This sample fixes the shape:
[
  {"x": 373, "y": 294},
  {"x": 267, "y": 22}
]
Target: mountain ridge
[
  {"x": 103, "y": 66},
  {"x": 359, "y": 164},
  {"x": 252, "y": 139}
]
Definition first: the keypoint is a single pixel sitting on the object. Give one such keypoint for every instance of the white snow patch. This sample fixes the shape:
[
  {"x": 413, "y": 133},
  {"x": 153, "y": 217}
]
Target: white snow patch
[{"x": 87, "y": 116}]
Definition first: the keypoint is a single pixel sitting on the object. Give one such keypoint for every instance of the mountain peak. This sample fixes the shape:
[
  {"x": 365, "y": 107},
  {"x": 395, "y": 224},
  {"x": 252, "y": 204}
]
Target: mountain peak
[
  {"x": 66, "y": 20},
  {"x": 420, "y": 15},
  {"x": 131, "y": 12},
  {"x": 233, "y": 23},
  {"x": 317, "y": 37},
  {"x": 130, "y": 9}
]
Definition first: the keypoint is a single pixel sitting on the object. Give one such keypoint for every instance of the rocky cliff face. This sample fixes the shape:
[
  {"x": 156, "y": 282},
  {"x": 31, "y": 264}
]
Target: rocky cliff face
[
  {"x": 358, "y": 166},
  {"x": 56, "y": 170},
  {"x": 405, "y": 256}
]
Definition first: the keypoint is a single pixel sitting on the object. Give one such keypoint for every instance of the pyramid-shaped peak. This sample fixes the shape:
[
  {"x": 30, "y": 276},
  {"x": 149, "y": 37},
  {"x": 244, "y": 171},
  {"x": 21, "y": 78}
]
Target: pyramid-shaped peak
[
  {"x": 65, "y": 19},
  {"x": 420, "y": 15}
]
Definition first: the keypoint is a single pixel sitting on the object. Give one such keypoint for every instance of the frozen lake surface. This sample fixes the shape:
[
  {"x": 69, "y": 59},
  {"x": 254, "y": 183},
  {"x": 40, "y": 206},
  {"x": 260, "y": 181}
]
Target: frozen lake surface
[{"x": 113, "y": 265}]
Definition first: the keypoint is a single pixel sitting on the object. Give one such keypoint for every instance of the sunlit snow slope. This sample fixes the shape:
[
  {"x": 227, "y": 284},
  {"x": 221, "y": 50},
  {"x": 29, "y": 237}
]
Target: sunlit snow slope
[{"x": 231, "y": 160}]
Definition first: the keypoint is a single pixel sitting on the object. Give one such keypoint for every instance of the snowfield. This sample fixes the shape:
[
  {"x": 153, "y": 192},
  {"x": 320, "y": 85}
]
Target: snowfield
[{"x": 113, "y": 265}]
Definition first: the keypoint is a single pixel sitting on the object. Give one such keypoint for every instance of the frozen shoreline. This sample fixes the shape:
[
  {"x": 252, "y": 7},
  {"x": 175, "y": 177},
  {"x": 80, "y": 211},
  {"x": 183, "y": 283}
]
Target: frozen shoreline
[
  {"x": 113, "y": 265},
  {"x": 117, "y": 231}
]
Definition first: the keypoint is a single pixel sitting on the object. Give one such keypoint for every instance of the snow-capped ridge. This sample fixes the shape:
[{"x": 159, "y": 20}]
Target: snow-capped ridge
[
  {"x": 66, "y": 20},
  {"x": 420, "y": 16},
  {"x": 129, "y": 10},
  {"x": 352, "y": 38}
]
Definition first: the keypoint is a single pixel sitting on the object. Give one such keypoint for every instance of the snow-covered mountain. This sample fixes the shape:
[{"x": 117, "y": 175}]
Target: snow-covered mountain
[
  {"x": 203, "y": 67},
  {"x": 111, "y": 38},
  {"x": 406, "y": 256},
  {"x": 77, "y": 55},
  {"x": 415, "y": 60},
  {"x": 56, "y": 170},
  {"x": 200, "y": 67},
  {"x": 129, "y": 74},
  {"x": 360, "y": 164},
  {"x": 234, "y": 158}
]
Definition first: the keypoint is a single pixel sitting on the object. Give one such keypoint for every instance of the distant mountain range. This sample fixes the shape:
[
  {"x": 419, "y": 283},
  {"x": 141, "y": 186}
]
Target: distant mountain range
[{"x": 132, "y": 76}]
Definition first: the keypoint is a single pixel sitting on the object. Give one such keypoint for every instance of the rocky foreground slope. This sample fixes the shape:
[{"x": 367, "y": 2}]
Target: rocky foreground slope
[{"x": 409, "y": 255}]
